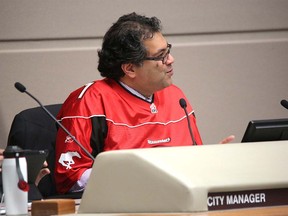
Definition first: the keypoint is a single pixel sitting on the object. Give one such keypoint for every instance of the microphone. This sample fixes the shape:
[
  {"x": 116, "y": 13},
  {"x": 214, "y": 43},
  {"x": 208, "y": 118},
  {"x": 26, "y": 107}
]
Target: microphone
[
  {"x": 22, "y": 89},
  {"x": 284, "y": 103},
  {"x": 183, "y": 104}
]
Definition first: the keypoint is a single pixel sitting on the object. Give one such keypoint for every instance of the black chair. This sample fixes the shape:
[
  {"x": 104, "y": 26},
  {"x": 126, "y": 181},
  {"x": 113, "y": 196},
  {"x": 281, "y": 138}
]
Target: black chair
[{"x": 33, "y": 129}]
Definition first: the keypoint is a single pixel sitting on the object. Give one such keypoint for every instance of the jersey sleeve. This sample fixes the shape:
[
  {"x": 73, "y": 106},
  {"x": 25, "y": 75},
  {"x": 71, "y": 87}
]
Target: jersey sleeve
[
  {"x": 89, "y": 128},
  {"x": 71, "y": 160}
]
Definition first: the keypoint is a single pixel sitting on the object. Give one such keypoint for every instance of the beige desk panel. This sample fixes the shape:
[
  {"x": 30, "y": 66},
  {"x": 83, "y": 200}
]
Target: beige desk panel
[{"x": 268, "y": 211}]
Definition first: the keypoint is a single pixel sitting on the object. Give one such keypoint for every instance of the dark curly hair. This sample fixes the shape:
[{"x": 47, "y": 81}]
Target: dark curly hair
[{"x": 123, "y": 43}]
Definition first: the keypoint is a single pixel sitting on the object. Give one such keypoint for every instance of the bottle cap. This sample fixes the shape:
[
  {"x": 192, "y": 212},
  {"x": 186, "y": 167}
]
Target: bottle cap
[{"x": 13, "y": 151}]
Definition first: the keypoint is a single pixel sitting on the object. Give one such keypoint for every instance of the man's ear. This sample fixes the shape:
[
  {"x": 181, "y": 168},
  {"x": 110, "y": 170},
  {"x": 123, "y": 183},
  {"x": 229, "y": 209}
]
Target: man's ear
[{"x": 128, "y": 69}]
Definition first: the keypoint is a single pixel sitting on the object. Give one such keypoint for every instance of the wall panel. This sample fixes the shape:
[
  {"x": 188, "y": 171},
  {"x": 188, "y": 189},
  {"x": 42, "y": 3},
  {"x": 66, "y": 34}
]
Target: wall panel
[
  {"x": 231, "y": 55},
  {"x": 34, "y": 19}
]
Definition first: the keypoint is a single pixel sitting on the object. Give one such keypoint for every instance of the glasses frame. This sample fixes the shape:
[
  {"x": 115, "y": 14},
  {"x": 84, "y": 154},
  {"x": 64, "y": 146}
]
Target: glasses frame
[{"x": 163, "y": 58}]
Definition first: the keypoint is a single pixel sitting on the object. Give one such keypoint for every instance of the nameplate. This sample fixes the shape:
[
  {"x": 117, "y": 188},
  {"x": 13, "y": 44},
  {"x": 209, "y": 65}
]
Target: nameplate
[{"x": 247, "y": 199}]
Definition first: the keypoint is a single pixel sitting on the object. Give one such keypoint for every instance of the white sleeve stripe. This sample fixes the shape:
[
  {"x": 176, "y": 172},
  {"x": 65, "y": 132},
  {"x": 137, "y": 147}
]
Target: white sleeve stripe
[{"x": 84, "y": 90}]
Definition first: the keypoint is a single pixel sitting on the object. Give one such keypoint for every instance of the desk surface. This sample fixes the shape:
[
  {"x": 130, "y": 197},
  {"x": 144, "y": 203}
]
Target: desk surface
[{"x": 265, "y": 211}]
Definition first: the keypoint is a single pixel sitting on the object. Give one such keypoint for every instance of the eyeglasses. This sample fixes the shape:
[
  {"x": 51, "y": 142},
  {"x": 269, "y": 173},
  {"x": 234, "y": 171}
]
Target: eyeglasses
[{"x": 163, "y": 58}]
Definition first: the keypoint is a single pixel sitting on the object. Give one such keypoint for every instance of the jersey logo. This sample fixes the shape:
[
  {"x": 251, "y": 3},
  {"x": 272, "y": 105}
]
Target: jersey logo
[
  {"x": 153, "y": 108},
  {"x": 154, "y": 142},
  {"x": 68, "y": 139},
  {"x": 66, "y": 159}
]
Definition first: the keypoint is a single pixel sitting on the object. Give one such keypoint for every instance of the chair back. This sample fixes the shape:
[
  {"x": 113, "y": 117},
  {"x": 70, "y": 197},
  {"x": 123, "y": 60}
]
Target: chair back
[{"x": 34, "y": 129}]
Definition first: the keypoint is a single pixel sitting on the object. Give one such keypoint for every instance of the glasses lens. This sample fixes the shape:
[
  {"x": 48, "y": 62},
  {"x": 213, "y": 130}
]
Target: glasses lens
[{"x": 165, "y": 57}]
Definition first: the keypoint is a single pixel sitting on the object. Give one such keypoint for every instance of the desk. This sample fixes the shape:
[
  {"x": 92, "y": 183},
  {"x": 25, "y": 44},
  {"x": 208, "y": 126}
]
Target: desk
[
  {"x": 178, "y": 179},
  {"x": 264, "y": 211}
]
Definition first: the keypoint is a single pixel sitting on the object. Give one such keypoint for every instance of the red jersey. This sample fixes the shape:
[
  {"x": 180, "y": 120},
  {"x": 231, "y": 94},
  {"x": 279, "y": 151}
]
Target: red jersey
[{"x": 104, "y": 116}]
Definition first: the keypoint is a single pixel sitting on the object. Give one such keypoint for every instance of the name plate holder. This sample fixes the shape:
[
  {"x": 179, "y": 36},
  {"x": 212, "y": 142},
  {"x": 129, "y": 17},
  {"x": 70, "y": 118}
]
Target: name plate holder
[{"x": 188, "y": 179}]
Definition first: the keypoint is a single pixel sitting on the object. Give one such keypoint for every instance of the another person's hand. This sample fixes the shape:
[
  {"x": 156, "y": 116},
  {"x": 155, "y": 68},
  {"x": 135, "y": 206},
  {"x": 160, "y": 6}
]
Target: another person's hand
[
  {"x": 1, "y": 158},
  {"x": 44, "y": 171},
  {"x": 227, "y": 139}
]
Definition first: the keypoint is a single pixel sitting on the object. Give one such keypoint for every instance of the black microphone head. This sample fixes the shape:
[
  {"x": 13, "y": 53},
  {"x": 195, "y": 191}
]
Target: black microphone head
[
  {"x": 183, "y": 103},
  {"x": 20, "y": 87},
  {"x": 284, "y": 103}
]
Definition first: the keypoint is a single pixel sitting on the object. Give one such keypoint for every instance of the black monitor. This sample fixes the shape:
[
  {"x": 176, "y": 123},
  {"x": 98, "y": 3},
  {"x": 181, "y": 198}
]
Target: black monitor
[{"x": 266, "y": 130}]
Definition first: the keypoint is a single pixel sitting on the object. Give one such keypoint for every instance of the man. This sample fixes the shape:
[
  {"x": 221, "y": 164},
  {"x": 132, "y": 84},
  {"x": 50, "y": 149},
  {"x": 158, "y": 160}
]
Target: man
[{"x": 134, "y": 106}]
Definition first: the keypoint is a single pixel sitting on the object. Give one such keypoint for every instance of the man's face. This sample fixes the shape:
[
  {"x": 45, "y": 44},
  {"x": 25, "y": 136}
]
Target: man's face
[{"x": 154, "y": 75}]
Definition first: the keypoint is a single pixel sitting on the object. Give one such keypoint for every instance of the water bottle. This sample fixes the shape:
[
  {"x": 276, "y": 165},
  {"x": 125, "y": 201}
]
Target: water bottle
[{"x": 15, "y": 184}]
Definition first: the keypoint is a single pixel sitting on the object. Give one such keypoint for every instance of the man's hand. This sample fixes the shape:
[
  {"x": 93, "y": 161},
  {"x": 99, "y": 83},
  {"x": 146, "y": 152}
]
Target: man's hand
[{"x": 227, "y": 139}]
